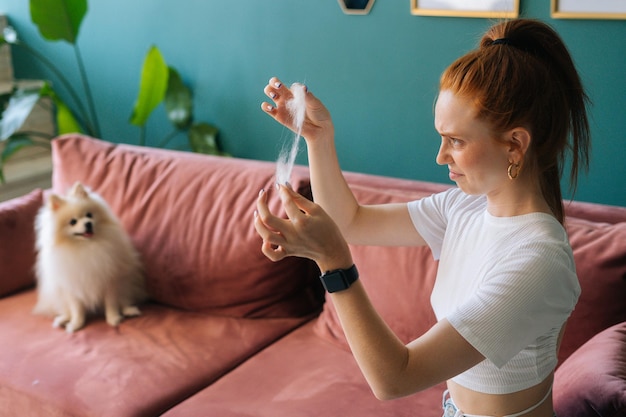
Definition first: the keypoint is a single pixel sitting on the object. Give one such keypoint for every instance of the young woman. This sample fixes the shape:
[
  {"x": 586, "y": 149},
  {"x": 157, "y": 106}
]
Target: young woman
[{"x": 507, "y": 113}]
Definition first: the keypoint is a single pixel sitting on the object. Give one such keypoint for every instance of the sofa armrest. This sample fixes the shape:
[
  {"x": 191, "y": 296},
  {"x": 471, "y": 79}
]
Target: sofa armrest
[
  {"x": 17, "y": 241},
  {"x": 592, "y": 381}
]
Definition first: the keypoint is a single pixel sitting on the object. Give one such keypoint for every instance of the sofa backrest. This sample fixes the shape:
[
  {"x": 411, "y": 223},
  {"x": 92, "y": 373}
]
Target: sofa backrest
[
  {"x": 400, "y": 280},
  {"x": 600, "y": 254},
  {"x": 191, "y": 218}
]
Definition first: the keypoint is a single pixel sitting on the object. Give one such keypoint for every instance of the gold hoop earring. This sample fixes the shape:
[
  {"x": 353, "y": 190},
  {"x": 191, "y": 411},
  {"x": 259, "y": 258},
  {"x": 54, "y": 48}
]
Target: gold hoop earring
[{"x": 513, "y": 166}]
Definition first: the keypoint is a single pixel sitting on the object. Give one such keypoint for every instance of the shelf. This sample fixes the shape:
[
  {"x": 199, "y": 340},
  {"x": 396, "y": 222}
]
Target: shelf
[{"x": 30, "y": 168}]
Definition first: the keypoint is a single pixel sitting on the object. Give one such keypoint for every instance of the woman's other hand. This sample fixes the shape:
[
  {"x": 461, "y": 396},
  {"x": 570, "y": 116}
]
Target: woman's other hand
[{"x": 307, "y": 232}]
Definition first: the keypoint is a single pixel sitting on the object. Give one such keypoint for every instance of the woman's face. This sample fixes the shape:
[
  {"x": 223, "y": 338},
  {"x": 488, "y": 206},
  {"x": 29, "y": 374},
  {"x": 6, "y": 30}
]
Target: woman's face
[{"x": 476, "y": 160}]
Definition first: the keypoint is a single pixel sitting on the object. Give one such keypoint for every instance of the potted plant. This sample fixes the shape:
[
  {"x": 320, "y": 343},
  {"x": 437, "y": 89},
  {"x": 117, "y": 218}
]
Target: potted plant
[{"x": 60, "y": 20}]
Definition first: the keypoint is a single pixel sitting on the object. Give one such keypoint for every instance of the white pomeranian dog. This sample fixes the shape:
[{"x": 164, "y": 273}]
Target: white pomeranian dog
[{"x": 86, "y": 263}]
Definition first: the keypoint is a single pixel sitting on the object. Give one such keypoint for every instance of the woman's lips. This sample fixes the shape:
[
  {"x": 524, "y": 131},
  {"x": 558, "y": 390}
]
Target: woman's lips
[{"x": 454, "y": 175}]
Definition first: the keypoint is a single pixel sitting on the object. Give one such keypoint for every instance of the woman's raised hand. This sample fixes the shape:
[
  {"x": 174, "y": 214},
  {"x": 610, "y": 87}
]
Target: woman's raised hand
[{"x": 317, "y": 122}]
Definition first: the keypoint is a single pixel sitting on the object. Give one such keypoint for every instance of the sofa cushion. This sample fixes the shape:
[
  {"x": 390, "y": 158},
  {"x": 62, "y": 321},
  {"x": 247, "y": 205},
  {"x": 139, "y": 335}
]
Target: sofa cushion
[
  {"x": 143, "y": 367},
  {"x": 398, "y": 280},
  {"x": 600, "y": 255},
  {"x": 309, "y": 377},
  {"x": 191, "y": 218},
  {"x": 17, "y": 251},
  {"x": 592, "y": 382}
]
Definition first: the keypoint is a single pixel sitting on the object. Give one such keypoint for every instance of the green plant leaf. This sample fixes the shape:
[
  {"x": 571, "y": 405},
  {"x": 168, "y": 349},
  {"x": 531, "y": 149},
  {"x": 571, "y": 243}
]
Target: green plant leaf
[
  {"x": 154, "y": 76},
  {"x": 203, "y": 139},
  {"x": 65, "y": 120},
  {"x": 178, "y": 101},
  {"x": 58, "y": 19},
  {"x": 20, "y": 106}
]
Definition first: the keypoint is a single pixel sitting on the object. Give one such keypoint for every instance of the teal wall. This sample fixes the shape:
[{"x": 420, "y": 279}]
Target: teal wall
[{"x": 377, "y": 74}]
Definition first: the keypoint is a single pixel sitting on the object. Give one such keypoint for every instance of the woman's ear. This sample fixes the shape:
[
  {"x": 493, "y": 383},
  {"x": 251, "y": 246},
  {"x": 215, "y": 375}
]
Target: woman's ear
[{"x": 518, "y": 140}]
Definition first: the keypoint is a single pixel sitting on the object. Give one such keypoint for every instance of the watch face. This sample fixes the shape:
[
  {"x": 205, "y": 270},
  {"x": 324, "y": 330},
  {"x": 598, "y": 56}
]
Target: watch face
[
  {"x": 334, "y": 281},
  {"x": 339, "y": 279}
]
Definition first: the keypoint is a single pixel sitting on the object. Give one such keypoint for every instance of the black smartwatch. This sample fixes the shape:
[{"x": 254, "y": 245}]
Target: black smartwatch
[{"x": 339, "y": 279}]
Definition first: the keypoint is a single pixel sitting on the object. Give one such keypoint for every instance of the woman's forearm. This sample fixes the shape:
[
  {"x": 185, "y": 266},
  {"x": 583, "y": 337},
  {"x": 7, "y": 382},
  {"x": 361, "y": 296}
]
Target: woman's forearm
[
  {"x": 330, "y": 189},
  {"x": 381, "y": 356}
]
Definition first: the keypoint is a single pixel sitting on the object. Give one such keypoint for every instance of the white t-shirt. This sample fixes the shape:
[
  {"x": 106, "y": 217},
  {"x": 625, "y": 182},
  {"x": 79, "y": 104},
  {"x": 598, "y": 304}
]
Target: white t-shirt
[{"x": 506, "y": 284}]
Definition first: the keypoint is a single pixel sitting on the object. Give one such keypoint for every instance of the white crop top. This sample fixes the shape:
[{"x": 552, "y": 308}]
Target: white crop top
[{"x": 506, "y": 284}]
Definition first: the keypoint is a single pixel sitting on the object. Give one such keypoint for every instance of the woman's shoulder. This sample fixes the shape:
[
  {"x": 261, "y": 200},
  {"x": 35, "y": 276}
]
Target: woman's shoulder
[{"x": 454, "y": 199}]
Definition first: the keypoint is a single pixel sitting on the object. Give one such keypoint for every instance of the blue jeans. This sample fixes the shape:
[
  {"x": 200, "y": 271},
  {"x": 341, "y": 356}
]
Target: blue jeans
[{"x": 450, "y": 409}]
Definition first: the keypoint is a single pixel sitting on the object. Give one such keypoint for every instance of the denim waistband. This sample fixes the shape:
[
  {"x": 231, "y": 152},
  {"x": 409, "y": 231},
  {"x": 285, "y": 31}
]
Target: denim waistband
[{"x": 451, "y": 410}]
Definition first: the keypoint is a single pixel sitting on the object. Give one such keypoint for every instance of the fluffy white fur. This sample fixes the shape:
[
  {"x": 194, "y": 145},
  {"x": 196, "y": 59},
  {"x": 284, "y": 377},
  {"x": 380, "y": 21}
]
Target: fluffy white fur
[{"x": 86, "y": 262}]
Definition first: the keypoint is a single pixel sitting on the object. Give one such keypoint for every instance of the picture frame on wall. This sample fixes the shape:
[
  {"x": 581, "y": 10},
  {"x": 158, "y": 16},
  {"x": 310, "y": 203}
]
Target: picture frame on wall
[
  {"x": 495, "y": 9},
  {"x": 585, "y": 9}
]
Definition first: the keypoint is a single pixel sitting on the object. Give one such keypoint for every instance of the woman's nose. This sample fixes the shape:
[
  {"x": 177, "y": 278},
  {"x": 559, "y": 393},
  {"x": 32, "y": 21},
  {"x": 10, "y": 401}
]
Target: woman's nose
[{"x": 442, "y": 155}]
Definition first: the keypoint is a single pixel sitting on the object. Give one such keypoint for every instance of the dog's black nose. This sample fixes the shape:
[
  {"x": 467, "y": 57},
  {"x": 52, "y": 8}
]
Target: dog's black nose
[{"x": 89, "y": 227}]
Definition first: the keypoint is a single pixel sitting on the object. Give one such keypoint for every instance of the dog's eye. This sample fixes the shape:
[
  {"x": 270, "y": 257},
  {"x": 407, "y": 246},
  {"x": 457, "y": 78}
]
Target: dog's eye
[
  {"x": 73, "y": 222},
  {"x": 89, "y": 215}
]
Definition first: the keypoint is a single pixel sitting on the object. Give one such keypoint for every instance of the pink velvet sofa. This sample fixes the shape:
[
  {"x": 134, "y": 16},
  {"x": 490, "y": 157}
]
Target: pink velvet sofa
[{"x": 227, "y": 332}]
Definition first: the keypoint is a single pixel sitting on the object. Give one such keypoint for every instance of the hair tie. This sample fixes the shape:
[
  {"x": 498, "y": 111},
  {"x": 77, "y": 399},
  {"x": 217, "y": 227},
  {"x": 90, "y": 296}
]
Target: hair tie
[
  {"x": 517, "y": 44},
  {"x": 501, "y": 41}
]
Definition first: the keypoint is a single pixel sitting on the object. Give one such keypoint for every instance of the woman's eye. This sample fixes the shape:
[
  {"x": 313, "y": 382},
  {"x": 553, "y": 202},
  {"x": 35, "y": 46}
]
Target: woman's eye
[
  {"x": 73, "y": 222},
  {"x": 455, "y": 142}
]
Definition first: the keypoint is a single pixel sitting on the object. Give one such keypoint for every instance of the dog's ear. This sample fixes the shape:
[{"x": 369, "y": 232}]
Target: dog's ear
[
  {"x": 55, "y": 202},
  {"x": 78, "y": 190}
]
